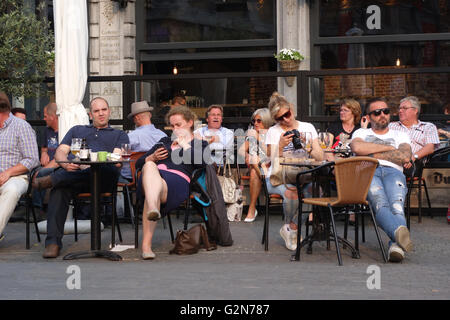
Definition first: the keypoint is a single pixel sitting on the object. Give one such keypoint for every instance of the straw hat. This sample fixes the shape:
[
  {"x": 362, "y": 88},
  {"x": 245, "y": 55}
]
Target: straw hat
[{"x": 139, "y": 107}]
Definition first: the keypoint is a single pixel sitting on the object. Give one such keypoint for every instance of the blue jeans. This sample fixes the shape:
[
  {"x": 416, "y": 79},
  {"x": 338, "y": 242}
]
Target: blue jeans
[
  {"x": 290, "y": 206},
  {"x": 386, "y": 195}
]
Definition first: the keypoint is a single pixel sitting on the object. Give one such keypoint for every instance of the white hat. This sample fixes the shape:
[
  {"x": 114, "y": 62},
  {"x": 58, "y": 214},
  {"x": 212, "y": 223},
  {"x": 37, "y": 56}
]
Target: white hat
[{"x": 139, "y": 107}]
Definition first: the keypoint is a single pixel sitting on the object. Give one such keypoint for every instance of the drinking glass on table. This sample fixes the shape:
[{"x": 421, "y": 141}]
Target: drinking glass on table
[
  {"x": 75, "y": 146},
  {"x": 325, "y": 140},
  {"x": 126, "y": 151},
  {"x": 306, "y": 139}
]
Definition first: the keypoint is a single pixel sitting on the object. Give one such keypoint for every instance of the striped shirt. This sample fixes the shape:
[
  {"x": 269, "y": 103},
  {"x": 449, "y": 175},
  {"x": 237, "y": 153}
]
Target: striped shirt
[
  {"x": 420, "y": 134},
  {"x": 17, "y": 144}
]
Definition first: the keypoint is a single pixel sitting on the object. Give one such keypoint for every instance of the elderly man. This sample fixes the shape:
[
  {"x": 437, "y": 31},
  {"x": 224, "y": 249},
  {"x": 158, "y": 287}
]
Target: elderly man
[
  {"x": 219, "y": 138},
  {"x": 424, "y": 136},
  {"x": 18, "y": 154},
  {"x": 71, "y": 177},
  {"x": 145, "y": 135},
  {"x": 388, "y": 188}
]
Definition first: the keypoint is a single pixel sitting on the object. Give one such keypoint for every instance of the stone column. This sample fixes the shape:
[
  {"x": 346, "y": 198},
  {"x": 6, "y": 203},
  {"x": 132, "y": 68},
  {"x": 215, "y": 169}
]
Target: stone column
[
  {"x": 112, "y": 36},
  {"x": 293, "y": 32}
]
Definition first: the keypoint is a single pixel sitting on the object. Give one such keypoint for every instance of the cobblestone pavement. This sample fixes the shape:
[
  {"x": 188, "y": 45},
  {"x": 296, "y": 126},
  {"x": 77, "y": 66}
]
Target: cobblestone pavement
[{"x": 242, "y": 271}]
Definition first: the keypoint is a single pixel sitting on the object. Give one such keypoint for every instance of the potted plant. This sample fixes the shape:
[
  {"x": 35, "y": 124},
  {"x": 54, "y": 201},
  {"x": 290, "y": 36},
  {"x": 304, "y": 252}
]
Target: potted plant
[{"x": 289, "y": 60}]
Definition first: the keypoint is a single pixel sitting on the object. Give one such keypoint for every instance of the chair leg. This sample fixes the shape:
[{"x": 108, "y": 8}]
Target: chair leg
[
  {"x": 116, "y": 218},
  {"x": 75, "y": 220},
  {"x": 420, "y": 200},
  {"x": 187, "y": 212},
  {"x": 336, "y": 240},
  {"x": 136, "y": 225},
  {"x": 299, "y": 228},
  {"x": 428, "y": 198},
  {"x": 363, "y": 226},
  {"x": 357, "y": 231},
  {"x": 27, "y": 226},
  {"x": 266, "y": 228},
  {"x": 130, "y": 205},
  {"x": 169, "y": 220},
  {"x": 383, "y": 252}
]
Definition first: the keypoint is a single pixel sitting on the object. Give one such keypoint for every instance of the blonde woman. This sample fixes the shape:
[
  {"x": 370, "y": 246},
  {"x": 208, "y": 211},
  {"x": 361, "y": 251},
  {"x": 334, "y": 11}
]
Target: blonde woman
[
  {"x": 282, "y": 112},
  {"x": 254, "y": 151}
]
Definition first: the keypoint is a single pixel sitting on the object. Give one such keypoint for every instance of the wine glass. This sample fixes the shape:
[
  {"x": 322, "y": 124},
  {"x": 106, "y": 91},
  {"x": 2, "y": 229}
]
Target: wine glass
[
  {"x": 126, "y": 151},
  {"x": 306, "y": 139},
  {"x": 325, "y": 140},
  {"x": 75, "y": 146}
]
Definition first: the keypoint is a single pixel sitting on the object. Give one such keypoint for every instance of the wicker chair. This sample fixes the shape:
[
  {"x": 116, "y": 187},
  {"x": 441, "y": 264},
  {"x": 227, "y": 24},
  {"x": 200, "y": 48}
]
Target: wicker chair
[{"x": 353, "y": 178}]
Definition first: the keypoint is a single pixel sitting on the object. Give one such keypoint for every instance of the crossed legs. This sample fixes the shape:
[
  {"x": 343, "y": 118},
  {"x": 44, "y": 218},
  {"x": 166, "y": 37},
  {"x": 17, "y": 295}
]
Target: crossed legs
[{"x": 155, "y": 190}]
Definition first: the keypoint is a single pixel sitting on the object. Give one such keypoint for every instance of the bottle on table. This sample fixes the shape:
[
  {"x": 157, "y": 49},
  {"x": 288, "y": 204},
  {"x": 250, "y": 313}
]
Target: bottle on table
[{"x": 84, "y": 151}]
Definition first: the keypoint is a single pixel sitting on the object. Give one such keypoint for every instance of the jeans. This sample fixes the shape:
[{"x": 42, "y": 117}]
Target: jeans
[
  {"x": 387, "y": 195},
  {"x": 39, "y": 195},
  {"x": 290, "y": 206}
]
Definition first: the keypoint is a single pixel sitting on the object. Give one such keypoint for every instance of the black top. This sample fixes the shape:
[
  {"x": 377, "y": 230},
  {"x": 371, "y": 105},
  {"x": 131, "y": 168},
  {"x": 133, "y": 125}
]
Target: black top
[
  {"x": 185, "y": 161},
  {"x": 336, "y": 129}
]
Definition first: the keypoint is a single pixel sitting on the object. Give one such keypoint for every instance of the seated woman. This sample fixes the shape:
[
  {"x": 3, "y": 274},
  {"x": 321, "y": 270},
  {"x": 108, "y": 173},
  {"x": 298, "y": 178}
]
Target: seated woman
[
  {"x": 254, "y": 151},
  {"x": 278, "y": 144},
  {"x": 166, "y": 172},
  {"x": 350, "y": 121}
]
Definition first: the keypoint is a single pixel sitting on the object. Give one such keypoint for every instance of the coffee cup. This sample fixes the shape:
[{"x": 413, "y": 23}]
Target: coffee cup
[
  {"x": 93, "y": 156},
  {"x": 102, "y": 155}
]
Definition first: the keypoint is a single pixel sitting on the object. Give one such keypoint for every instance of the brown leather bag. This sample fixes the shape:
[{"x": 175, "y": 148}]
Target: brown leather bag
[{"x": 190, "y": 241}]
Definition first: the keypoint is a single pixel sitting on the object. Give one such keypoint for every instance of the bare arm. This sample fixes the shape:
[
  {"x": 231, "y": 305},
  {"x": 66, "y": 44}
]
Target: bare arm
[
  {"x": 363, "y": 148},
  {"x": 398, "y": 156},
  {"x": 61, "y": 155},
  {"x": 16, "y": 170}
]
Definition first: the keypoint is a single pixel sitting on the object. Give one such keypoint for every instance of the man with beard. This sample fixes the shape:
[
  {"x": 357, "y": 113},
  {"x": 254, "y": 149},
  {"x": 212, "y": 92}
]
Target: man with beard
[{"x": 388, "y": 189}]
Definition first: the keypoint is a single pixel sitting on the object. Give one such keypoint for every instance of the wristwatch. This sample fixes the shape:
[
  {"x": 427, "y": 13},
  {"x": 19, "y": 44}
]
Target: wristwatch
[{"x": 416, "y": 156}]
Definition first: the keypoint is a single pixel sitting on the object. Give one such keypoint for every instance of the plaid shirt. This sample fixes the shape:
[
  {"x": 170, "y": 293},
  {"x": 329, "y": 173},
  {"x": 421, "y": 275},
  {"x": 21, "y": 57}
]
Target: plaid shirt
[
  {"x": 17, "y": 144},
  {"x": 420, "y": 134}
]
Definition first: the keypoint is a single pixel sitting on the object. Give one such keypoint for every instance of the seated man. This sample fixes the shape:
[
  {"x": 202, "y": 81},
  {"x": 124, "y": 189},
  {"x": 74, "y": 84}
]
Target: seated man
[
  {"x": 388, "y": 188},
  {"x": 218, "y": 137},
  {"x": 424, "y": 136},
  {"x": 145, "y": 135},
  {"x": 71, "y": 177},
  {"x": 18, "y": 154},
  {"x": 48, "y": 149}
]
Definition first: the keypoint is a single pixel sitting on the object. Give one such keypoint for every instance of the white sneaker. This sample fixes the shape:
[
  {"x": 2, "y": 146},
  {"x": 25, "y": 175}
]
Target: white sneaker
[
  {"x": 396, "y": 253},
  {"x": 289, "y": 237},
  {"x": 403, "y": 239}
]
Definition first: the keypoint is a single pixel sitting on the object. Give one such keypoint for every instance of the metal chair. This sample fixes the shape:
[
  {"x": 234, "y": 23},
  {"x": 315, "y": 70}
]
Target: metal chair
[
  {"x": 129, "y": 188},
  {"x": 268, "y": 202},
  {"x": 353, "y": 178},
  {"x": 28, "y": 199}
]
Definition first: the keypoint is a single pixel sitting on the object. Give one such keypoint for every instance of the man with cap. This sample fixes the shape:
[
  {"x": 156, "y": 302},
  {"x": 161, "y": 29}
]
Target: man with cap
[{"x": 145, "y": 135}]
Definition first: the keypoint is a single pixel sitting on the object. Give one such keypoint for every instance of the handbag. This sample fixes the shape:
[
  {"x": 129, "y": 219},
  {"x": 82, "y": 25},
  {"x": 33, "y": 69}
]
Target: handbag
[
  {"x": 227, "y": 184},
  {"x": 282, "y": 174},
  {"x": 190, "y": 241}
]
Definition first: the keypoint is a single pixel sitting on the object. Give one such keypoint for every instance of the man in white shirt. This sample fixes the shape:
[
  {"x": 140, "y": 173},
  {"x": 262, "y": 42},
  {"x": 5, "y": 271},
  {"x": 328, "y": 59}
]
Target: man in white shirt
[
  {"x": 218, "y": 137},
  {"x": 424, "y": 136},
  {"x": 388, "y": 188}
]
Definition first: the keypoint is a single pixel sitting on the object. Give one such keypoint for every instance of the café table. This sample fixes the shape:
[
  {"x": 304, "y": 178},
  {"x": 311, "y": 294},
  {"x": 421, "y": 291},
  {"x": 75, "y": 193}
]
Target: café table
[
  {"x": 343, "y": 153},
  {"x": 321, "y": 176},
  {"x": 95, "y": 178}
]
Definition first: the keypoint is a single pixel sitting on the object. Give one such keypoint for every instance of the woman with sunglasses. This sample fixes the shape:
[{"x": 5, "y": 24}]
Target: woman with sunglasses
[
  {"x": 254, "y": 151},
  {"x": 278, "y": 144}
]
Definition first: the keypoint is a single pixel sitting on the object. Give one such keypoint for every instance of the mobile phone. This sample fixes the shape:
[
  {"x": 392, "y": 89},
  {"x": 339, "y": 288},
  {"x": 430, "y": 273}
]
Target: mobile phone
[{"x": 159, "y": 145}]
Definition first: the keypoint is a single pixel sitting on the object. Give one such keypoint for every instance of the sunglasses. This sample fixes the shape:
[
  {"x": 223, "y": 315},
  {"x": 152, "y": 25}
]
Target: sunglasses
[
  {"x": 285, "y": 115},
  {"x": 377, "y": 112},
  {"x": 256, "y": 121}
]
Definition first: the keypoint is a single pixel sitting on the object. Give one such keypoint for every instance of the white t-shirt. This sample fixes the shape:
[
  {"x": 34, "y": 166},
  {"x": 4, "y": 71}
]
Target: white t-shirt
[
  {"x": 275, "y": 132},
  {"x": 391, "y": 138},
  {"x": 226, "y": 141}
]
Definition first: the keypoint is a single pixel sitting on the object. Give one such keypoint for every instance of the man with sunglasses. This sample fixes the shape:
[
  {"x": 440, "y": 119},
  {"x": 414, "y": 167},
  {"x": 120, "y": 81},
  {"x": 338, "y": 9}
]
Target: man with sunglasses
[
  {"x": 424, "y": 136},
  {"x": 388, "y": 189}
]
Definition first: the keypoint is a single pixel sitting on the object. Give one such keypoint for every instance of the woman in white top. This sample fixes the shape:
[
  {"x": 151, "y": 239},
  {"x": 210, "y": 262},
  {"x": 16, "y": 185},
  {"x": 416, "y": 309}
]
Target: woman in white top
[{"x": 282, "y": 113}]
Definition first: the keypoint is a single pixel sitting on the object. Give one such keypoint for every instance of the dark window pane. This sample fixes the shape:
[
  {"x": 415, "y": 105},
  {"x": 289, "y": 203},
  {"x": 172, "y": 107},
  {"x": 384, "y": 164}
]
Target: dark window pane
[
  {"x": 411, "y": 54},
  {"x": 208, "y": 20},
  {"x": 350, "y": 17}
]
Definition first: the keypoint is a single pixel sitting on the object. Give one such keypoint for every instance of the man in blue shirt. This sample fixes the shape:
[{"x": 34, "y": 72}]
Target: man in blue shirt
[
  {"x": 72, "y": 177},
  {"x": 145, "y": 135}
]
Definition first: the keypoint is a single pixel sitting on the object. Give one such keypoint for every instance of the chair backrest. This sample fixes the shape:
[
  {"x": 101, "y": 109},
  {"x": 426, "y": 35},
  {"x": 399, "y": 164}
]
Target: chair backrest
[
  {"x": 133, "y": 158},
  {"x": 353, "y": 178}
]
